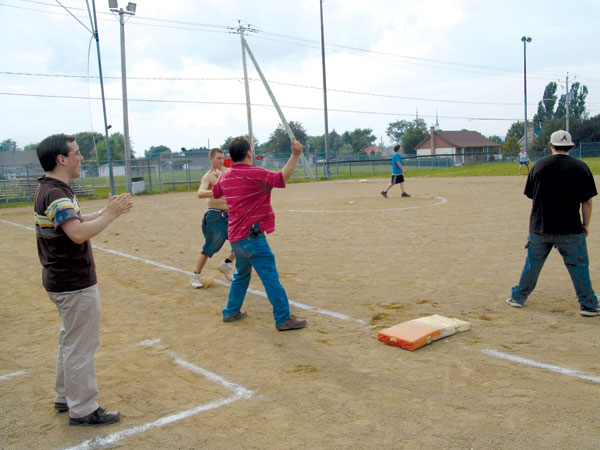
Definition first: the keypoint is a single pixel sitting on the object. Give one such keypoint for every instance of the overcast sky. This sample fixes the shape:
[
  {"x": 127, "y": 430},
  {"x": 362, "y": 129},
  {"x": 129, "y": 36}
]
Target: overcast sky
[{"x": 386, "y": 60}]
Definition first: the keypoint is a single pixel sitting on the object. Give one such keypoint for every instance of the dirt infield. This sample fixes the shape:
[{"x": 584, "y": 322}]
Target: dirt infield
[{"x": 183, "y": 379}]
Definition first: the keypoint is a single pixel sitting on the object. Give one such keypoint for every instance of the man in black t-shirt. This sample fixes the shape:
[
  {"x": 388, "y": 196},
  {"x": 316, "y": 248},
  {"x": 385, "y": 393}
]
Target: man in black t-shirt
[{"x": 560, "y": 186}]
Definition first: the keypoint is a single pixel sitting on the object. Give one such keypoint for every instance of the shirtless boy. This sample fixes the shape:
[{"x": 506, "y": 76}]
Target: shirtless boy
[{"x": 215, "y": 220}]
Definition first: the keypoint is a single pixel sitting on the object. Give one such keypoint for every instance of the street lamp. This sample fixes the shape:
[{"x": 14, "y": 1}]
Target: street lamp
[
  {"x": 326, "y": 171},
  {"x": 525, "y": 40},
  {"x": 130, "y": 11}
]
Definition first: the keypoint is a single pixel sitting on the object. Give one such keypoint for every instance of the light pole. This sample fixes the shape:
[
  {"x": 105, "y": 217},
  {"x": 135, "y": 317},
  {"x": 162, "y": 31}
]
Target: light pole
[
  {"x": 130, "y": 11},
  {"x": 525, "y": 40},
  {"x": 326, "y": 172}
]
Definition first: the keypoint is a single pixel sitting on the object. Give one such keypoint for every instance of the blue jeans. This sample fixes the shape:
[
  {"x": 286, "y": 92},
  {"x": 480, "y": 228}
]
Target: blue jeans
[
  {"x": 573, "y": 249},
  {"x": 214, "y": 228},
  {"x": 254, "y": 251}
]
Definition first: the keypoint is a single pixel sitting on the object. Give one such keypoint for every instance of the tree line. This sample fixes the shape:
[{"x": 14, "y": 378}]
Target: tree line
[{"x": 552, "y": 115}]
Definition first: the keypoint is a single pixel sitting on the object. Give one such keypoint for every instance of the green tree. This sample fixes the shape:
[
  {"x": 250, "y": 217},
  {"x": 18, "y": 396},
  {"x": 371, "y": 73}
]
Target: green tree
[
  {"x": 30, "y": 147},
  {"x": 541, "y": 142},
  {"x": 358, "y": 139},
  {"x": 415, "y": 133},
  {"x": 396, "y": 130},
  {"x": 317, "y": 143},
  {"x": 496, "y": 139},
  {"x": 578, "y": 94},
  {"x": 546, "y": 105},
  {"x": 117, "y": 148},
  {"x": 156, "y": 151},
  {"x": 8, "y": 145},
  {"x": 279, "y": 141},
  {"x": 587, "y": 130},
  {"x": 87, "y": 141},
  {"x": 516, "y": 130},
  {"x": 511, "y": 147}
]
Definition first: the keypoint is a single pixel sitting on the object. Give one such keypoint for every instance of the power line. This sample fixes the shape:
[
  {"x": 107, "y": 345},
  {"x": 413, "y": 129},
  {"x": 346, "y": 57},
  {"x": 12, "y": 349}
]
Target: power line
[
  {"x": 309, "y": 108},
  {"x": 432, "y": 63},
  {"x": 343, "y": 91}
]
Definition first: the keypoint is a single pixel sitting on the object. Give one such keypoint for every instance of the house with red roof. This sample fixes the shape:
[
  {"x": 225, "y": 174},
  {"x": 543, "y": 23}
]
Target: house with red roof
[{"x": 464, "y": 146}]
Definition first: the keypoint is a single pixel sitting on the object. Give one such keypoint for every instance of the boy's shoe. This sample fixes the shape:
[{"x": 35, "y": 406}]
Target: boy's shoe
[
  {"x": 404, "y": 194},
  {"x": 97, "y": 418},
  {"x": 512, "y": 302},
  {"x": 590, "y": 311},
  {"x": 293, "y": 324},
  {"x": 61, "y": 406},
  {"x": 195, "y": 281},
  {"x": 238, "y": 316},
  {"x": 227, "y": 270},
  {"x": 384, "y": 193}
]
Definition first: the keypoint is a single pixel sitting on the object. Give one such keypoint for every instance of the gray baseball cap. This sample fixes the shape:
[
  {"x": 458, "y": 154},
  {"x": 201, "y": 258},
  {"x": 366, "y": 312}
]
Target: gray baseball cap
[{"x": 561, "y": 138}]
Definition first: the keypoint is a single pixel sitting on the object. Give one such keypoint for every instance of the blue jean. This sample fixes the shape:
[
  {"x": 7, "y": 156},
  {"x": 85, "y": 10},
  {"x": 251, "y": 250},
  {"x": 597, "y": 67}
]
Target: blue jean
[
  {"x": 255, "y": 252},
  {"x": 214, "y": 228},
  {"x": 573, "y": 249}
]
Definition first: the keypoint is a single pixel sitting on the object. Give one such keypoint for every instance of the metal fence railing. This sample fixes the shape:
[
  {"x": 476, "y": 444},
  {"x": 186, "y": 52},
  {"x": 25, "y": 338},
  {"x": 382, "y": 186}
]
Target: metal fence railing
[{"x": 18, "y": 183}]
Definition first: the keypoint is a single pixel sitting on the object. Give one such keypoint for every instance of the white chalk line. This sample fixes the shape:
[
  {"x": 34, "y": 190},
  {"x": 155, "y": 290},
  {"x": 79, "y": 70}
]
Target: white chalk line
[
  {"x": 441, "y": 201},
  {"x": 223, "y": 283},
  {"x": 539, "y": 365},
  {"x": 14, "y": 374},
  {"x": 239, "y": 392}
]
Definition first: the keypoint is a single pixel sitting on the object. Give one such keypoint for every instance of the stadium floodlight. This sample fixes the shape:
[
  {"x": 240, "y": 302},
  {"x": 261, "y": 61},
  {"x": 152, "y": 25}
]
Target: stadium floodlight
[
  {"x": 526, "y": 40},
  {"x": 114, "y": 7}
]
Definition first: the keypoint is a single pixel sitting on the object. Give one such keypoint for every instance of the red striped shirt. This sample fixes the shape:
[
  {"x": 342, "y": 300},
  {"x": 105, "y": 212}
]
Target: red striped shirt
[{"x": 247, "y": 190}]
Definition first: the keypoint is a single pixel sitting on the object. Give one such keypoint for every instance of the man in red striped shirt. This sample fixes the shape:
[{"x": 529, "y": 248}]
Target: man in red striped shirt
[{"x": 247, "y": 190}]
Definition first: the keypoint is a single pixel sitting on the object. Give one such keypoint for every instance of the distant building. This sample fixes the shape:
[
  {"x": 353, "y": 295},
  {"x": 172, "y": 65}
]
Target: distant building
[
  {"x": 372, "y": 150},
  {"x": 11, "y": 158},
  {"x": 117, "y": 171},
  {"x": 463, "y": 146}
]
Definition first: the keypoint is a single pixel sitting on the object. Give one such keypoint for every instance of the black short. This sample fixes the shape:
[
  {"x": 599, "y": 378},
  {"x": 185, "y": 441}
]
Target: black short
[{"x": 397, "y": 179}]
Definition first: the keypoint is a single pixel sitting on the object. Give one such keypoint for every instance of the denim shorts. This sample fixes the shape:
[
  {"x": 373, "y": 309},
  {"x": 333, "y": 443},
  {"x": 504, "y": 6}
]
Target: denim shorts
[{"x": 214, "y": 228}]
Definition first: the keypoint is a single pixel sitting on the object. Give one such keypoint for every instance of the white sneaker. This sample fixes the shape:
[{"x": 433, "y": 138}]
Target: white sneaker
[
  {"x": 227, "y": 269},
  {"x": 195, "y": 281}
]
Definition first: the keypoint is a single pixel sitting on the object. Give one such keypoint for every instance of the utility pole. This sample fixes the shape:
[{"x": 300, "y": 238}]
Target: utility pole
[
  {"x": 326, "y": 174},
  {"x": 567, "y": 95},
  {"x": 131, "y": 7},
  {"x": 246, "y": 86},
  {"x": 525, "y": 40}
]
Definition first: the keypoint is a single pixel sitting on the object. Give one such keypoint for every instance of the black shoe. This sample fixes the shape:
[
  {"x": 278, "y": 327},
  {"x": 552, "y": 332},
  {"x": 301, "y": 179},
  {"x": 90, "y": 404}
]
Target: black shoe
[
  {"x": 239, "y": 316},
  {"x": 97, "y": 418},
  {"x": 61, "y": 406},
  {"x": 404, "y": 194},
  {"x": 384, "y": 193},
  {"x": 590, "y": 311},
  {"x": 293, "y": 324}
]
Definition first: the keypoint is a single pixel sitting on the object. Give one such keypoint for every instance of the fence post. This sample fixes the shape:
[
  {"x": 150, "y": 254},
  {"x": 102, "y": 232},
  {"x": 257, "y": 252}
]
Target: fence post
[
  {"x": 159, "y": 172},
  {"x": 149, "y": 165},
  {"x": 5, "y": 185},
  {"x": 28, "y": 183}
]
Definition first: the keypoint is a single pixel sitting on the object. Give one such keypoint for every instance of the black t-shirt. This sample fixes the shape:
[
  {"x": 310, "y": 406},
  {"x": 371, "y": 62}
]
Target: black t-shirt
[
  {"x": 558, "y": 184},
  {"x": 67, "y": 266}
]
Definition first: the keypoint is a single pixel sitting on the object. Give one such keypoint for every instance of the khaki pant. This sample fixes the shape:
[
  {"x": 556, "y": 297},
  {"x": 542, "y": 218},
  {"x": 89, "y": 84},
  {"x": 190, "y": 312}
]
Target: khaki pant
[{"x": 78, "y": 341}]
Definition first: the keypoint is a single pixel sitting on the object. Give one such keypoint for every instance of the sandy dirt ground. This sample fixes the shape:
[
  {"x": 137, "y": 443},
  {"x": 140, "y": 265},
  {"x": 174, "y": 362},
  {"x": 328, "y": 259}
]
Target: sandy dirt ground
[{"x": 183, "y": 379}]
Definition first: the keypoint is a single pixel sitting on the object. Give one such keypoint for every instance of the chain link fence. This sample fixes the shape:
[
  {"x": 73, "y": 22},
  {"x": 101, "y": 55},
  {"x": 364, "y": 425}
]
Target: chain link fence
[{"x": 18, "y": 182}]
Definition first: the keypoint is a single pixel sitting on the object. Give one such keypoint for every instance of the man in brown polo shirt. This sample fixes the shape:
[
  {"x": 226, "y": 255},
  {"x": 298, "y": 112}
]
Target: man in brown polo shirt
[{"x": 69, "y": 276}]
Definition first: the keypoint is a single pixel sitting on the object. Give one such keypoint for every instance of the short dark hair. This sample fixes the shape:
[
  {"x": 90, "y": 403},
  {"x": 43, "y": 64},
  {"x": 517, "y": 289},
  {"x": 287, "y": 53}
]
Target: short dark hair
[
  {"x": 215, "y": 150},
  {"x": 397, "y": 147},
  {"x": 238, "y": 148},
  {"x": 51, "y": 147}
]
